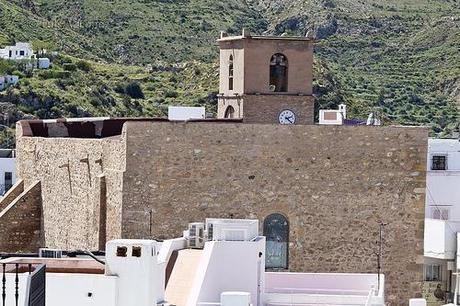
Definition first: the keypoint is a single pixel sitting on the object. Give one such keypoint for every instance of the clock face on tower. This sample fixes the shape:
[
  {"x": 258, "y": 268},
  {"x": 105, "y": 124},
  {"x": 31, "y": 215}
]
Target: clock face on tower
[{"x": 287, "y": 117}]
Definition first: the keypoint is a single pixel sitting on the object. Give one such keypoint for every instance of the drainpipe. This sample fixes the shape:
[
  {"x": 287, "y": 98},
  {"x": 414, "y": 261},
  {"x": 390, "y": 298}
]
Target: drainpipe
[{"x": 456, "y": 288}]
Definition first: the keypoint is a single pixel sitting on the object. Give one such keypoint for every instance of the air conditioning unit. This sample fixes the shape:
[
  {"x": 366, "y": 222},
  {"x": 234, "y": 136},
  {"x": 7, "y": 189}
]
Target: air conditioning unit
[
  {"x": 49, "y": 253},
  {"x": 196, "y": 238},
  {"x": 231, "y": 229}
]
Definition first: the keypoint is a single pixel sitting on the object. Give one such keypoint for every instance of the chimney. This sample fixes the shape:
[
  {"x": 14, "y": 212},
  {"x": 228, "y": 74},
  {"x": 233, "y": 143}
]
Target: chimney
[
  {"x": 246, "y": 33},
  {"x": 141, "y": 277}
]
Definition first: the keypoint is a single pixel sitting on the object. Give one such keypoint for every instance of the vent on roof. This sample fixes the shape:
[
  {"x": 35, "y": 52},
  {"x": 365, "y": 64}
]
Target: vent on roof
[{"x": 49, "y": 253}]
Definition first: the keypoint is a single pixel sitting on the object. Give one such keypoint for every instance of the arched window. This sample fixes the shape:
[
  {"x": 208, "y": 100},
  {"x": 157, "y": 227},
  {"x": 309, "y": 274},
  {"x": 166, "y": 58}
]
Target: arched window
[
  {"x": 230, "y": 73},
  {"x": 279, "y": 73},
  {"x": 276, "y": 231},
  {"x": 229, "y": 112}
]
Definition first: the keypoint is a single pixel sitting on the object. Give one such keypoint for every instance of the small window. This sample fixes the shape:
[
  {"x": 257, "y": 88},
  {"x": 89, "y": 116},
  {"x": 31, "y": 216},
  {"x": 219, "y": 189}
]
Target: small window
[
  {"x": 439, "y": 162},
  {"x": 279, "y": 73},
  {"x": 276, "y": 232},
  {"x": 229, "y": 112},
  {"x": 433, "y": 273},
  {"x": 8, "y": 180},
  {"x": 22, "y": 53},
  {"x": 440, "y": 213},
  {"x": 137, "y": 251},
  {"x": 122, "y": 251},
  {"x": 230, "y": 73}
]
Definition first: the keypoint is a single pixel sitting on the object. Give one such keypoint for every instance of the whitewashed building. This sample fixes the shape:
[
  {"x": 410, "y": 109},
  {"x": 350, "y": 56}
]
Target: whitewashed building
[
  {"x": 182, "y": 113},
  {"x": 43, "y": 63},
  {"x": 8, "y": 80},
  {"x": 7, "y": 170},
  {"x": 219, "y": 262},
  {"x": 21, "y": 50},
  {"x": 333, "y": 116},
  {"x": 442, "y": 223}
]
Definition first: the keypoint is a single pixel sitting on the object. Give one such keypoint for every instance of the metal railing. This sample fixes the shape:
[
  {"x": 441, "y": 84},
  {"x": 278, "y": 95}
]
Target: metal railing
[{"x": 34, "y": 286}]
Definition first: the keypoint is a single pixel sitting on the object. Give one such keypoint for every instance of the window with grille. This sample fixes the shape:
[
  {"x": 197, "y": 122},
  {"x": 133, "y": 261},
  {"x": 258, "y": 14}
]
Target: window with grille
[
  {"x": 439, "y": 162},
  {"x": 433, "y": 273},
  {"x": 276, "y": 231},
  {"x": 230, "y": 73},
  {"x": 440, "y": 213}
]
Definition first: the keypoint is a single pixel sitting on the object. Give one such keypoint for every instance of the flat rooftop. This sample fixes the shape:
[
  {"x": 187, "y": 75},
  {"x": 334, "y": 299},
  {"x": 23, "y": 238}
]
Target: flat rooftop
[
  {"x": 95, "y": 128},
  {"x": 91, "y": 127},
  {"x": 268, "y": 38}
]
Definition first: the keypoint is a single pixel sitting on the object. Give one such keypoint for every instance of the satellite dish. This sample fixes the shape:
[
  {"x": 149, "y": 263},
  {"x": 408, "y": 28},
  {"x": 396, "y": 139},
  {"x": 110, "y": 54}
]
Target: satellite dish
[{"x": 272, "y": 88}]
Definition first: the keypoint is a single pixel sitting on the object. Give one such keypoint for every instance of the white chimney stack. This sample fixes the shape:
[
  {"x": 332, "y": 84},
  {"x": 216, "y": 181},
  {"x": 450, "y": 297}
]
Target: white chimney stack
[{"x": 141, "y": 278}]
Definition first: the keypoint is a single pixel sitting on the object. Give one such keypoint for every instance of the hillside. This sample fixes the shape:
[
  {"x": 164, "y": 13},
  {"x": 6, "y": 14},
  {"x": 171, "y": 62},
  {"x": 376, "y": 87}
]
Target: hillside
[{"x": 400, "y": 58}]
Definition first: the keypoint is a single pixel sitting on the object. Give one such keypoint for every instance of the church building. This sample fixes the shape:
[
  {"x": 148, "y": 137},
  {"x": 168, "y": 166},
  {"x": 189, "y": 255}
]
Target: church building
[
  {"x": 266, "y": 79},
  {"x": 320, "y": 193}
]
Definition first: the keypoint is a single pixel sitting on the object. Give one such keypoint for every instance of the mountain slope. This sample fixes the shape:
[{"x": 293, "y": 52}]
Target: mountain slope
[
  {"x": 400, "y": 58},
  {"x": 142, "y": 31}
]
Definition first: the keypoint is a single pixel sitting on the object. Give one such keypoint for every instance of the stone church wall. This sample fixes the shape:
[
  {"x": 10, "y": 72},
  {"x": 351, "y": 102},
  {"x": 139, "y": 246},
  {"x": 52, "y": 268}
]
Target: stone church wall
[
  {"x": 20, "y": 222},
  {"x": 334, "y": 184},
  {"x": 71, "y": 171},
  {"x": 302, "y": 106}
]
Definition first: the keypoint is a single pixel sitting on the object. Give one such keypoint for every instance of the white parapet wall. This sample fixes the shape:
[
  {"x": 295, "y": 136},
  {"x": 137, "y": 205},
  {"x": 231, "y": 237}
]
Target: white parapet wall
[
  {"x": 285, "y": 288},
  {"x": 440, "y": 238},
  {"x": 141, "y": 277},
  {"x": 229, "y": 266},
  {"x": 183, "y": 113}
]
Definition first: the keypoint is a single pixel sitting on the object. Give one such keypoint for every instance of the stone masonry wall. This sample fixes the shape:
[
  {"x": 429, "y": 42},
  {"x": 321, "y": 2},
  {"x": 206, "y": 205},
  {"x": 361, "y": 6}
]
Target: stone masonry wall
[
  {"x": 70, "y": 171},
  {"x": 273, "y": 105},
  {"x": 335, "y": 185},
  {"x": 11, "y": 194},
  {"x": 20, "y": 222}
]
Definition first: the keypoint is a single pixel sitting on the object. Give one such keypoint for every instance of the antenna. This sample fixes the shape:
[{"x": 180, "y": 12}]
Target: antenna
[{"x": 379, "y": 253}]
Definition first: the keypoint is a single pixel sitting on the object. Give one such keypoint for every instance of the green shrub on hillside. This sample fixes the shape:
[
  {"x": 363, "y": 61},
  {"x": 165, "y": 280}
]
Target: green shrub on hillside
[{"x": 134, "y": 90}]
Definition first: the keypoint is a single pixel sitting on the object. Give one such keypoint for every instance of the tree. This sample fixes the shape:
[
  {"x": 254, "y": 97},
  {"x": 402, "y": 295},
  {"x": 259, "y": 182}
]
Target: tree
[{"x": 134, "y": 90}]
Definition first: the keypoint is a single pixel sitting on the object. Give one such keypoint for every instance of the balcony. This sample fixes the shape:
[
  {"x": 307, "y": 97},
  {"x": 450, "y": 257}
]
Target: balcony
[{"x": 441, "y": 238}]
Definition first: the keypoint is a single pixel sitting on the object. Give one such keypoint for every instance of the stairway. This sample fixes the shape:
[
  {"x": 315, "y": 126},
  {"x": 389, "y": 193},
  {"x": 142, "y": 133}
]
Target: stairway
[{"x": 182, "y": 276}]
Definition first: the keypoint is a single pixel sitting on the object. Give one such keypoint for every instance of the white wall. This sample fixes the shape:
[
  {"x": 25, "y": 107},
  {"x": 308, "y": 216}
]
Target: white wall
[
  {"x": 73, "y": 289},
  {"x": 141, "y": 280},
  {"x": 281, "y": 288},
  {"x": 68, "y": 289},
  {"x": 15, "y": 51},
  {"x": 443, "y": 186},
  {"x": 229, "y": 266},
  {"x": 7, "y": 165},
  {"x": 180, "y": 113},
  {"x": 440, "y": 238},
  {"x": 169, "y": 246}
]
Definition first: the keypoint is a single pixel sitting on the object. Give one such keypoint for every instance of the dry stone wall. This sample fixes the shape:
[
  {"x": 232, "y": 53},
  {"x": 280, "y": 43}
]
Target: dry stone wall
[{"x": 335, "y": 185}]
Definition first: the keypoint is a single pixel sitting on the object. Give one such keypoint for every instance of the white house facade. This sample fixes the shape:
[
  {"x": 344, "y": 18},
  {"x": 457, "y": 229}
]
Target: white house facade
[
  {"x": 21, "y": 50},
  {"x": 442, "y": 221},
  {"x": 7, "y": 170},
  {"x": 8, "y": 80}
]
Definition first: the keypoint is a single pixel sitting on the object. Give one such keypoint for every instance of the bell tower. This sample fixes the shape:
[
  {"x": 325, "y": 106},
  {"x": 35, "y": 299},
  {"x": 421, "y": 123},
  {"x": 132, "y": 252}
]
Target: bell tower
[{"x": 266, "y": 79}]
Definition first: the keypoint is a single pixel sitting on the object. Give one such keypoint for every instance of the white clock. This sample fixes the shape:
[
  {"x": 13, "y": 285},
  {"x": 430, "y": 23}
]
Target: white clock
[{"x": 287, "y": 117}]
